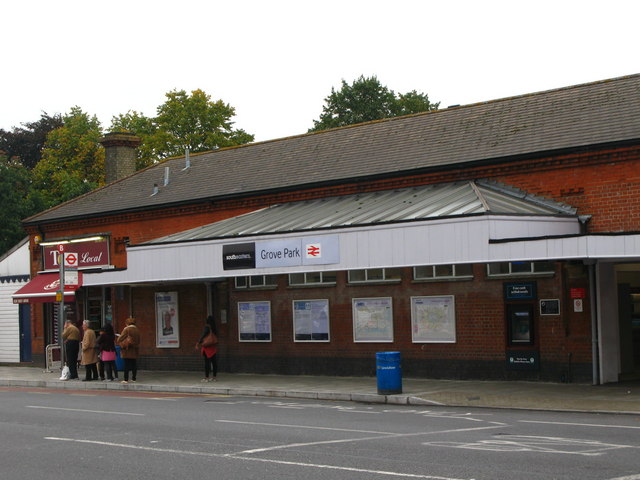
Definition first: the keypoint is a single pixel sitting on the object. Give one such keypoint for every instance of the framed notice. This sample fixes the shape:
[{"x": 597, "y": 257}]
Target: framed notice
[
  {"x": 550, "y": 307},
  {"x": 372, "y": 319},
  {"x": 433, "y": 319},
  {"x": 167, "y": 320},
  {"x": 311, "y": 320},
  {"x": 254, "y": 321}
]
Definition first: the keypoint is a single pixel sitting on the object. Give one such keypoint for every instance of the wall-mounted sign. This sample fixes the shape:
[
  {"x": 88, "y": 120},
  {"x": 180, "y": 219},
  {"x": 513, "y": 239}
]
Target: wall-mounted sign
[
  {"x": 578, "y": 292},
  {"x": 94, "y": 253},
  {"x": 290, "y": 252},
  {"x": 550, "y": 307},
  {"x": 520, "y": 291},
  {"x": 239, "y": 256},
  {"x": 523, "y": 360}
]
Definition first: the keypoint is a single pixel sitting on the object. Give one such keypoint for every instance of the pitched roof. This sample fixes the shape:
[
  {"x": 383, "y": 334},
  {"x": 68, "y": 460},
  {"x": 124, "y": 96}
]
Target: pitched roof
[
  {"x": 602, "y": 112},
  {"x": 444, "y": 200}
]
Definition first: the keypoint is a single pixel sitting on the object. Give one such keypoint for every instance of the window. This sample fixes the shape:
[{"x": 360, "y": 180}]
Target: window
[
  {"x": 520, "y": 268},
  {"x": 435, "y": 272},
  {"x": 375, "y": 275},
  {"x": 256, "y": 281},
  {"x": 312, "y": 278}
]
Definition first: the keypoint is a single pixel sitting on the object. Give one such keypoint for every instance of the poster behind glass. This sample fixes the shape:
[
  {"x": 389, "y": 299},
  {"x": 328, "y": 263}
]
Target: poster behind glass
[
  {"x": 254, "y": 321},
  {"x": 167, "y": 320},
  {"x": 433, "y": 319},
  {"x": 311, "y": 320},
  {"x": 372, "y": 319}
]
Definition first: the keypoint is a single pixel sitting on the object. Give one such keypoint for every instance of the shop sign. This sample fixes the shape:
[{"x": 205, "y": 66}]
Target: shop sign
[
  {"x": 289, "y": 252},
  {"x": 523, "y": 360},
  {"x": 520, "y": 291},
  {"x": 88, "y": 254}
]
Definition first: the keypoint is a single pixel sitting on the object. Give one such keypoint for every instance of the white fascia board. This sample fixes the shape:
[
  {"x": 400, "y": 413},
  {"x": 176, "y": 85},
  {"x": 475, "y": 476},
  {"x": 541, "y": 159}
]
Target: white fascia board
[{"x": 442, "y": 241}]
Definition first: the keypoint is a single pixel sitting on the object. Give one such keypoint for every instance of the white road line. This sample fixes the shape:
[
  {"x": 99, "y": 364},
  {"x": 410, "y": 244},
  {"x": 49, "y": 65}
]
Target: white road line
[
  {"x": 86, "y": 411},
  {"x": 346, "y": 469},
  {"x": 309, "y": 427},
  {"x": 361, "y": 439},
  {"x": 628, "y": 477},
  {"x": 252, "y": 459},
  {"x": 580, "y": 424}
]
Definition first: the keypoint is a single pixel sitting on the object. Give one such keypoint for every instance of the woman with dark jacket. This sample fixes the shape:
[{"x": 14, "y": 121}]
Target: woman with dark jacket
[
  {"x": 106, "y": 344},
  {"x": 209, "y": 352}
]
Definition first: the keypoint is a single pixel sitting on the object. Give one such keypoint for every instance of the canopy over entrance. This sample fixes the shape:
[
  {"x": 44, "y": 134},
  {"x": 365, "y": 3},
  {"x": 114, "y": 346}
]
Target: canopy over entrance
[{"x": 42, "y": 289}]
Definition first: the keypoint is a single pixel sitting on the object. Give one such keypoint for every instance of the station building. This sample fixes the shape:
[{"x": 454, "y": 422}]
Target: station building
[{"x": 498, "y": 240}]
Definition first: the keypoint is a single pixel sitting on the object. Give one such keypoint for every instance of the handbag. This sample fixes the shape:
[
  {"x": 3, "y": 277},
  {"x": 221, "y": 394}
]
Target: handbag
[
  {"x": 210, "y": 340},
  {"x": 108, "y": 356},
  {"x": 65, "y": 373},
  {"x": 126, "y": 343}
]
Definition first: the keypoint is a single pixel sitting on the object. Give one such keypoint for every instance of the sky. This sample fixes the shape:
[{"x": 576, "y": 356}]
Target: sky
[{"x": 276, "y": 61}]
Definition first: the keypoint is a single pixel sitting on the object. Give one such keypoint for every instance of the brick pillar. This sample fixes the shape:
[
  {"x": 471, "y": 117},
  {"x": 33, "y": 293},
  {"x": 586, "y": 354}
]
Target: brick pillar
[{"x": 120, "y": 154}]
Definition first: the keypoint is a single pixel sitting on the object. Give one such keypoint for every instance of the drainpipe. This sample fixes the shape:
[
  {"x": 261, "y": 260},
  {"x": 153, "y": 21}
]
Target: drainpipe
[{"x": 595, "y": 341}]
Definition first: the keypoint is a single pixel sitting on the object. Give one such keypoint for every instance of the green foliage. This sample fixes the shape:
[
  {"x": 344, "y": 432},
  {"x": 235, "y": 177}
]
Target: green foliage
[
  {"x": 366, "y": 99},
  {"x": 25, "y": 143},
  {"x": 72, "y": 159},
  {"x": 191, "y": 121},
  {"x": 17, "y": 201}
]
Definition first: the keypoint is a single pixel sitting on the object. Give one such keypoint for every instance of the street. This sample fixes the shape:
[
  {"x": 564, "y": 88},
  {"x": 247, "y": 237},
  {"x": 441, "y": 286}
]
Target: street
[{"x": 146, "y": 435}]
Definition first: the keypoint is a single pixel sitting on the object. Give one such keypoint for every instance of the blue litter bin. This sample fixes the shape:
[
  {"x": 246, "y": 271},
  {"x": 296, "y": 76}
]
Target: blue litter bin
[
  {"x": 389, "y": 373},
  {"x": 119, "y": 360}
]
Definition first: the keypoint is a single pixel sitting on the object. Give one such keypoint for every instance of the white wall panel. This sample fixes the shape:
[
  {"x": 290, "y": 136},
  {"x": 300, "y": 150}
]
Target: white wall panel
[{"x": 9, "y": 323}]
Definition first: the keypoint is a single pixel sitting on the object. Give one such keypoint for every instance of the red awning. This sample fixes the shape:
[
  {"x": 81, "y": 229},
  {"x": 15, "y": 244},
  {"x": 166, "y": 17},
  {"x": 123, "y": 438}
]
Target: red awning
[{"x": 42, "y": 289}]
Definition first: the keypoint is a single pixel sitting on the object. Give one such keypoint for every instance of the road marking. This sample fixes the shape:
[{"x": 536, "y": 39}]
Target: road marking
[
  {"x": 252, "y": 459},
  {"x": 527, "y": 443},
  {"x": 628, "y": 477},
  {"x": 580, "y": 424},
  {"x": 360, "y": 439},
  {"x": 309, "y": 427},
  {"x": 85, "y": 411}
]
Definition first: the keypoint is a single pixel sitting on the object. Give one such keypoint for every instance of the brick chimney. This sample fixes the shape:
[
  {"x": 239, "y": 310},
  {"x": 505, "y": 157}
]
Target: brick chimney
[{"x": 120, "y": 154}]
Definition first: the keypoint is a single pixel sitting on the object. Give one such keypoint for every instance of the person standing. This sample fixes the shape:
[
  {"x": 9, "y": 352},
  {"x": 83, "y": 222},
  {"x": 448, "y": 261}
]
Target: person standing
[
  {"x": 209, "y": 350},
  {"x": 129, "y": 341},
  {"x": 89, "y": 353},
  {"x": 107, "y": 347},
  {"x": 71, "y": 338}
]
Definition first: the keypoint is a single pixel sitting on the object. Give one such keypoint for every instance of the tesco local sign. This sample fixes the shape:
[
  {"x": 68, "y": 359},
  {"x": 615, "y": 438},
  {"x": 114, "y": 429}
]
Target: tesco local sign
[{"x": 82, "y": 254}]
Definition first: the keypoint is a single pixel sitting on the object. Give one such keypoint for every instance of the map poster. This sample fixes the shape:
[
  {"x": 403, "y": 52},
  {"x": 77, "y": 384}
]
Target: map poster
[
  {"x": 254, "y": 321},
  {"x": 372, "y": 319},
  {"x": 433, "y": 319},
  {"x": 311, "y": 320}
]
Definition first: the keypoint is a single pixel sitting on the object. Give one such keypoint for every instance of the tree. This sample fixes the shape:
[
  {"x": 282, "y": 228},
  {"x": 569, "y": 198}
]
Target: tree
[
  {"x": 16, "y": 200},
  {"x": 72, "y": 160},
  {"x": 184, "y": 121},
  {"x": 26, "y": 143},
  {"x": 366, "y": 99}
]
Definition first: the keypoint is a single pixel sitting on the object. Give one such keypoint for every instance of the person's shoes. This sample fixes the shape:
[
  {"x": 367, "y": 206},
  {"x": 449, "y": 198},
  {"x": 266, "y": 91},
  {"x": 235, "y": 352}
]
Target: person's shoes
[
  {"x": 133, "y": 381},
  {"x": 124, "y": 381},
  {"x": 204, "y": 380},
  {"x": 86, "y": 379},
  {"x": 101, "y": 378},
  {"x": 214, "y": 379}
]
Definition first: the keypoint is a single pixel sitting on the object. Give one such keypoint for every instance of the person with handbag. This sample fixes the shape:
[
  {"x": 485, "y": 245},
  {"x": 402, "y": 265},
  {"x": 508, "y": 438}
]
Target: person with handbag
[
  {"x": 208, "y": 348},
  {"x": 107, "y": 348},
  {"x": 129, "y": 341},
  {"x": 71, "y": 338}
]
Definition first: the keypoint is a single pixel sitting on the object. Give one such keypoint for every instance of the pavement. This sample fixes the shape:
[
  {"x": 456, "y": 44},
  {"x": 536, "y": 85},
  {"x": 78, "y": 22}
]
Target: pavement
[{"x": 623, "y": 398}]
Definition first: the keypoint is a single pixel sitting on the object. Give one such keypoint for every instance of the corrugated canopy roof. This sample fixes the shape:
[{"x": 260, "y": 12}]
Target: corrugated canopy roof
[
  {"x": 604, "y": 112},
  {"x": 373, "y": 208}
]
